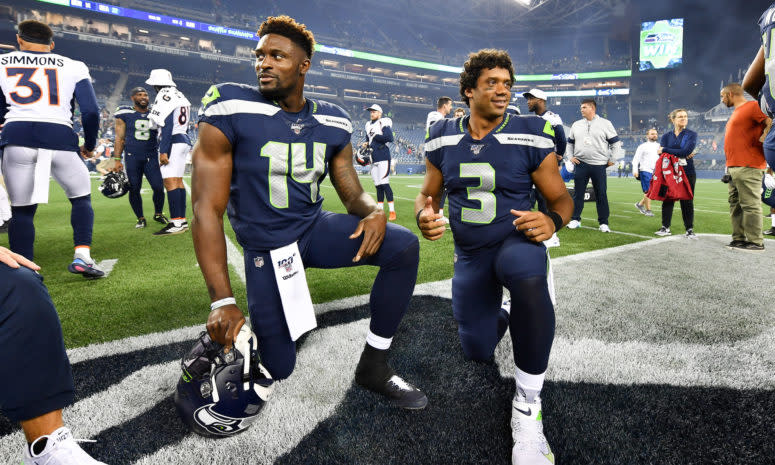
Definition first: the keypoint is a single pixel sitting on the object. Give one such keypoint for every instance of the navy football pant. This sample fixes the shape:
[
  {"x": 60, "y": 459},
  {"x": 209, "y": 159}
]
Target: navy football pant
[
  {"x": 38, "y": 375},
  {"x": 327, "y": 245},
  {"x": 581, "y": 176},
  {"x": 477, "y": 290},
  {"x": 136, "y": 166}
]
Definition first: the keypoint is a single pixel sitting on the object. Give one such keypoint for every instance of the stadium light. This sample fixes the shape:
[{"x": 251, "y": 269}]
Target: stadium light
[{"x": 525, "y": 3}]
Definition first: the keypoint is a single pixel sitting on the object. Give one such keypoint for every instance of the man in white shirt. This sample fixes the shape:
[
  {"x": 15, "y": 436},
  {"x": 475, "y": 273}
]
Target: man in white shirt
[{"x": 643, "y": 164}]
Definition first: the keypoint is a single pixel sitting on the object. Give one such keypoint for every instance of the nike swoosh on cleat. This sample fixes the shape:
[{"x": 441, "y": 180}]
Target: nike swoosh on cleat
[{"x": 523, "y": 412}]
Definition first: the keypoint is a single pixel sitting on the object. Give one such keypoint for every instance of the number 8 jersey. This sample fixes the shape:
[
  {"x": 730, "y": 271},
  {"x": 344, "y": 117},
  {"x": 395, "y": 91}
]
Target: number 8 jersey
[
  {"x": 486, "y": 178},
  {"x": 37, "y": 101},
  {"x": 279, "y": 160},
  {"x": 140, "y": 139}
]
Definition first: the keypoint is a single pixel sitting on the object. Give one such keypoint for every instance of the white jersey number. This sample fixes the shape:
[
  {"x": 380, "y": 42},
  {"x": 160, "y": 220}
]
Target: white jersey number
[
  {"x": 482, "y": 193},
  {"x": 278, "y": 154},
  {"x": 28, "y": 91}
]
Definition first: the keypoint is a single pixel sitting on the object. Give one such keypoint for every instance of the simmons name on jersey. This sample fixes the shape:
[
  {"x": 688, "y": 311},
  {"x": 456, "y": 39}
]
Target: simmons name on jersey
[
  {"x": 280, "y": 159},
  {"x": 486, "y": 178}
]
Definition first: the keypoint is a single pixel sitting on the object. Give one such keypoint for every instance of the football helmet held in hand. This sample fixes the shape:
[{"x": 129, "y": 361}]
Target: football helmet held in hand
[
  {"x": 363, "y": 156},
  {"x": 115, "y": 185},
  {"x": 220, "y": 394}
]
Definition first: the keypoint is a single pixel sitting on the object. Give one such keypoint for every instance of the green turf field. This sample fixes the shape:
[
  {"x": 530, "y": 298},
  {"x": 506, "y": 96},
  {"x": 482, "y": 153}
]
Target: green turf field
[{"x": 156, "y": 284}]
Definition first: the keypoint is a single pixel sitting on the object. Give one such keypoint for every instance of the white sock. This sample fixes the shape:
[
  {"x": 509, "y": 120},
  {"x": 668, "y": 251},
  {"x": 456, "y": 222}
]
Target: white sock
[
  {"x": 391, "y": 207},
  {"x": 529, "y": 385},
  {"x": 378, "y": 342},
  {"x": 441, "y": 211},
  {"x": 178, "y": 222},
  {"x": 380, "y": 205},
  {"x": 83, "y": 252},
  {"x": 773, "y": 220}
]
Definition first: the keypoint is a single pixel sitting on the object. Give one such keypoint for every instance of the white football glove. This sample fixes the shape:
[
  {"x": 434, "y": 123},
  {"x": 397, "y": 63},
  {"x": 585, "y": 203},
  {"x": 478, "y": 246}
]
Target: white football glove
[{"x": 769, "y": 181}]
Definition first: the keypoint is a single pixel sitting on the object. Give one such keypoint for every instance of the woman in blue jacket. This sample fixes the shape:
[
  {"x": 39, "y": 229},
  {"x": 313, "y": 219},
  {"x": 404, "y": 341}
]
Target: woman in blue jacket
[{"x": 681, "y": 143}]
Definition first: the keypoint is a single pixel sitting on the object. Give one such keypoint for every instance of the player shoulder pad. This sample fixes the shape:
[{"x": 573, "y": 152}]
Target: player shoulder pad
[
  {"x": 386, "y": 122},
  {"x": 553, "y": 118},
  {"x": 532, "y": 124},
  {"x": 332, "y": 115},
  {"x": 214, "y": 102},
  {"x": 444, "y": 132},
  {"x": 123, "y": 110}
]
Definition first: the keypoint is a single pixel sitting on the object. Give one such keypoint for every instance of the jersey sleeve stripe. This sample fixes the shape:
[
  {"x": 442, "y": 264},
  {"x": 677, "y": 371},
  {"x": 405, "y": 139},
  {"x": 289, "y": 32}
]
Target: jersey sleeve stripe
[
  {"x": 530, "y": 140},
  {"x": 231, "y": 107},
  {"x": 443, "y": 141},
  {"x": 335, "y": 121}
]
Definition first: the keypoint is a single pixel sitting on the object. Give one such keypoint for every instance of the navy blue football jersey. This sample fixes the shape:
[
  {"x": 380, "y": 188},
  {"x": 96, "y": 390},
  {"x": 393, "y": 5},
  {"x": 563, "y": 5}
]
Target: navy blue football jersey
[
  {"x": 140, "y": 139},
  {"x": 767, "y": 31},
  {"x": 279, "y": 161},
  {"x": 768, "y": 196},
  {"x": 486, "y": 178}
]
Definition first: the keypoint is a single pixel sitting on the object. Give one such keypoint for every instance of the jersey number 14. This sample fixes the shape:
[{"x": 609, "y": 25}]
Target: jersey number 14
[{"x": 279, "y": 154}]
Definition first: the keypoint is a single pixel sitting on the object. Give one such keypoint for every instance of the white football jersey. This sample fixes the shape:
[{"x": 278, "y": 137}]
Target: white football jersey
[
  {"x": 168, "y": 101},
  {"x": 375, "y": 127},
  {"x": 553, "y": 118},
  {"x": 432, "y": 118},
  {"x": 40, "y": 86}
]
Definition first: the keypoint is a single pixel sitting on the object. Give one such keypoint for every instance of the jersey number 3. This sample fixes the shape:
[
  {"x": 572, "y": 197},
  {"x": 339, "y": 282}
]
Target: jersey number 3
[
  {"x": 482, "y": 193},
  {"x": 278, "y": 154},
  {"x": 33, "y": 92}
]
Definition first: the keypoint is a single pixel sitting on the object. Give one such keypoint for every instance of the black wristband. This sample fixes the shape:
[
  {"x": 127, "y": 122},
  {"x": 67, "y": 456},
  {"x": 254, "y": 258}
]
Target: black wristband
[
  {"x": 556, "y": 218},
  {"x": 417, "y": 218}
]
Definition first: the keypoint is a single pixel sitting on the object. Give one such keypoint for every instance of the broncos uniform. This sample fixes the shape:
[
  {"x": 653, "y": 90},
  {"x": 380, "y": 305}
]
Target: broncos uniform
[
  {"x": 39, "y": 91},
  {"x": 141, "y": 157},
  {"x": 485, "y": 179},
  {"x": 379, "y": 133},
  {"x": 279, "y": 161},
  {"x": 766, "y": 32}
]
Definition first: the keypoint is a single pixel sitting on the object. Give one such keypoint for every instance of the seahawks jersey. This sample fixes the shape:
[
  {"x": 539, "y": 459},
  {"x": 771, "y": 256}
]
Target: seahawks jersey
[
  {"x": 39, "y": 90},
  {"x": 486, "y": 178},
  {"x": 279, "y": 161},
  {"x": 767, "y": 33},
  {"x": 140, "y": 139}
]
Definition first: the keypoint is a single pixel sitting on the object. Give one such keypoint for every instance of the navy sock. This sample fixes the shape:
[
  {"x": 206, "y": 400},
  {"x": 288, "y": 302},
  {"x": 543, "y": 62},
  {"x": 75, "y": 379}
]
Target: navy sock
[
  {"x": 531, "y": 323},
  {"x": 393, "y": 286},
  {"x": 380, "y": 194},
  {"x": 177, "y": 201},
  {"x": 21, "y": 230},
  {"x": 388, "y": 192},
  {"x": 82, "y": 220}
]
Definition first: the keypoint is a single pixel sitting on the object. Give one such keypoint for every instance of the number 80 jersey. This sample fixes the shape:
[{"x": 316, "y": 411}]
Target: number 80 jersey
[
  {"x": 279, "y": 160},
  {"x": 486, "y": 178}
]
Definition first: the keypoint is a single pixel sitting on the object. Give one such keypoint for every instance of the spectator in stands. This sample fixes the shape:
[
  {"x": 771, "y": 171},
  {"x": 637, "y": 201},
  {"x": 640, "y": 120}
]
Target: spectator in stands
[
  {"x": 593, "y": 145},
  {"x": 643, "y": 164},
  {"x": 746, "y": 129},
  {"x": 680, "y": 142},
  {"x": 459, "y": 112}
]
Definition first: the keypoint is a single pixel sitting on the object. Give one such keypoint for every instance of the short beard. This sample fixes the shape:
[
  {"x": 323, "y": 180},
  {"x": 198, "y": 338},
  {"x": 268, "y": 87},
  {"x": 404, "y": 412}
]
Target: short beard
[
  {"x": 278, "y": 93},
  {"x": 141, "y": 106}
]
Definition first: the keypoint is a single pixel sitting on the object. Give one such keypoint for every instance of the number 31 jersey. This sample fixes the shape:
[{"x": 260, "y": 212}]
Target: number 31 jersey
[
  {"x": 486, "y": 178},
  {"x": 279, "y": 161},
  {"x": 38, "y": 93},
  {"x": 140, "y": 139}
]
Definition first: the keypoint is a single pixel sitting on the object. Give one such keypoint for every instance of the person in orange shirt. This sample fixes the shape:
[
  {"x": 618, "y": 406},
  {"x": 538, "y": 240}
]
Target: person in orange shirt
[{"x": 745, "y": 132}]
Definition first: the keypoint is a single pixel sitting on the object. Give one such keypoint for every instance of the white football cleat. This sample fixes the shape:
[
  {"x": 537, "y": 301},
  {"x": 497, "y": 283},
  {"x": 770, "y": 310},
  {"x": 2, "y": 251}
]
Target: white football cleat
[
  {"x": 604, "y": 228},
  {"x": 527, "y": 430},
  {"x": 574, "y": 224},
  {"x": 553, "y": 241},
  {"x": 61, "y": 449}
]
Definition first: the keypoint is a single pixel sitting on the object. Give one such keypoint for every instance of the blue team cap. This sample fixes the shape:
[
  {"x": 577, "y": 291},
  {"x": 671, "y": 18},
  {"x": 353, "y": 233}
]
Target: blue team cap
[{"x": 137, "y": 90}]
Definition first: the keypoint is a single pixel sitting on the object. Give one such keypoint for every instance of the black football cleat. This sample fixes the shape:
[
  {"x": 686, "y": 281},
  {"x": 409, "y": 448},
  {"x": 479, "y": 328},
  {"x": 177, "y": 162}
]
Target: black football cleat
[
  {"x": 374, "y": 374},
  {"x": 770, "y": 232},
  {"x": 160, "y": 218}
]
